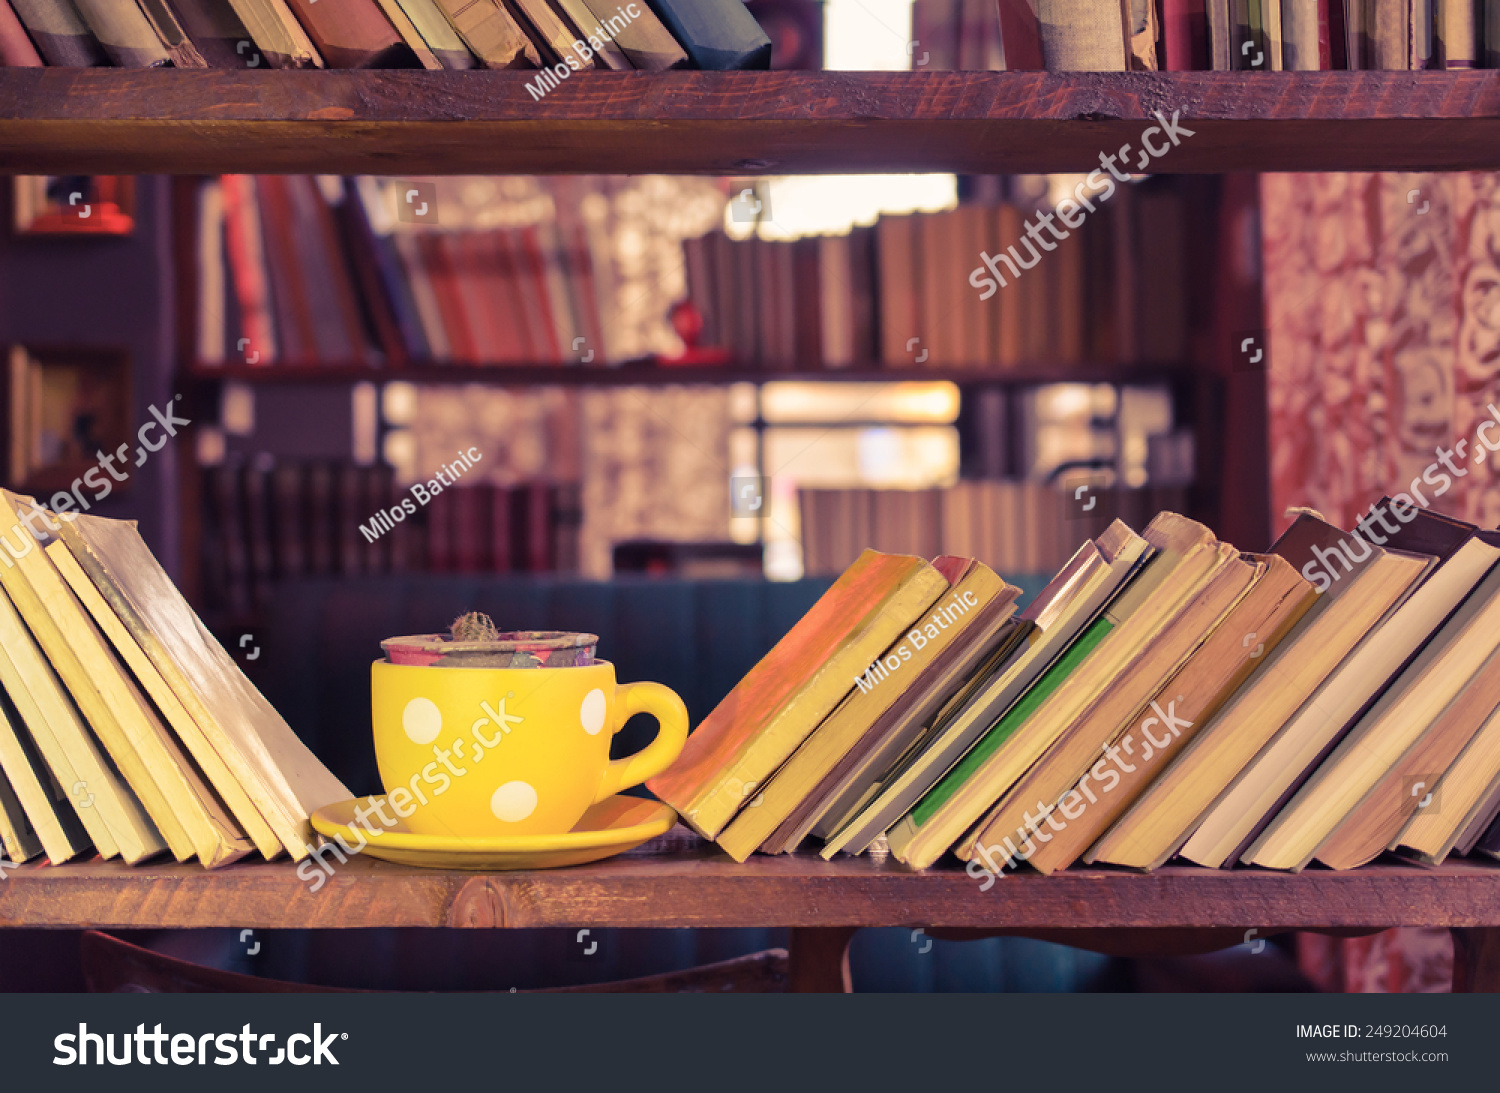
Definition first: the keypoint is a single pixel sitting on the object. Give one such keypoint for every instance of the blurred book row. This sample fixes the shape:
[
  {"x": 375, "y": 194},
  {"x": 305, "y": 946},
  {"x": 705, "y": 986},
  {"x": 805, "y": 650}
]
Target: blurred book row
[
  {"x": 292, "y": 270},
  {"x": 1017, "y": 528},
  {"x": 907, "y": 292},
  {"x": 269, "y": 521},
  {"x": 1217, "y": 35},
  {"x": 434, "y": 34},
  {"x": 1166, "y": 695}
]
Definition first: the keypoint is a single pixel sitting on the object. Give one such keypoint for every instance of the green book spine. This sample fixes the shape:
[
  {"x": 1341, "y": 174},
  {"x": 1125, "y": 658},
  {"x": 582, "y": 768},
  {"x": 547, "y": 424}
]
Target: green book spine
[{"x": 1001, "y": 730}]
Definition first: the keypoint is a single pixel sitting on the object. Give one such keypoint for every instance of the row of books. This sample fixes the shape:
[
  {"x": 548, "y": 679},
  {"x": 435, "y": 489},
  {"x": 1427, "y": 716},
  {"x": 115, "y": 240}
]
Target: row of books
[
  {"x": 435, "y": 34},
  {"x": 1220, "y": 35},
  {"x": 268, "y": 523},
  {"x": 1165, "y": 696},
  {"x": 1012, "y": 526},
  {"x": 292, "y": 270},
  {"x": 902, "y": 293},
  {"x": 124, "y": 726}
]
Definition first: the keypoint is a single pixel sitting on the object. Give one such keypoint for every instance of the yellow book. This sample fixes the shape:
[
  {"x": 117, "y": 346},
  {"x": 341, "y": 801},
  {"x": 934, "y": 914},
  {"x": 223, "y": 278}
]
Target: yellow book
[
  {"x": 183, "y": 808},
  {"x": 798, "y": 683},
  {"x": 283, "y": 779},
  {"x": 978, "y": 601},
  {"x": 1122, "y": 704},
  {"x": 1186, "y": 555},
  {"x": 108, "y": 810},
  {"x": 277, "y": 34},
  {"x": 492, "y": 33},
  {"x": 1163, "y": 817},
  {"x": 1411, "y": 703},
  {"x": 1460, "y": 795},
  {"x": 19, "y": 837},
  {"x": 408, "y": 31},
  {"x": 1060, "y": 613},
  {"x": 172, "y": 710}
]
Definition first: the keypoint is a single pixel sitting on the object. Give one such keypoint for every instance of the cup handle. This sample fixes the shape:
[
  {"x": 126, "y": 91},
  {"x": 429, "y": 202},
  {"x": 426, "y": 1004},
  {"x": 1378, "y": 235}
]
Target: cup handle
[{"x": 671, "y": 716}]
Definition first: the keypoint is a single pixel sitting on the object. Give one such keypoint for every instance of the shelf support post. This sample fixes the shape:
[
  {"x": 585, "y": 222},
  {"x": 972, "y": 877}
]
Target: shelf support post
[
  {"x": 1476, "y": 959},
  {"x": 819, "y": 959}
]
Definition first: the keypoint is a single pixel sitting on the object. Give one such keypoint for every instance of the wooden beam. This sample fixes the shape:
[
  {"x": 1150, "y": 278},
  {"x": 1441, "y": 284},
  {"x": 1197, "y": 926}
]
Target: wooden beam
[
  {"x": 704, "y": 888},
  {"x": 99, "y": 121}
]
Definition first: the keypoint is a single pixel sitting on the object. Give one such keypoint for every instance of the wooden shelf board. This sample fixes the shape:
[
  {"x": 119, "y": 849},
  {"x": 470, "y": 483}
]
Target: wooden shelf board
[
  {"x": 649, "y": 375},
  {"x": 689, "y": 884},
  {"x": 127, "y": 121}
]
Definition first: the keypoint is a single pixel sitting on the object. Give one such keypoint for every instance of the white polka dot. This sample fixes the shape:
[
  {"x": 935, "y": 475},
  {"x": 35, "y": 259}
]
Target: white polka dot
[
  {"x": 513, "y": 802},
  {"x": 422, "y": 720},
  {"x": 592, "y": 712}
]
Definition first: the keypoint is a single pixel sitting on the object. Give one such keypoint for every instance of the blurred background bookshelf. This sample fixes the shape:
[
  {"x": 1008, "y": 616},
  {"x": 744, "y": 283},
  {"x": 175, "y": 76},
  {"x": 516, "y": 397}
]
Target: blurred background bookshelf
[
  {"x": 623, "y": 352},
  {"x": 1106, "y": 381}
]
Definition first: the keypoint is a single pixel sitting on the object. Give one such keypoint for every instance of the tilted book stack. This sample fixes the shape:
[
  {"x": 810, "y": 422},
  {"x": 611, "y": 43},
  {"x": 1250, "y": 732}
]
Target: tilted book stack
[
  {"x": 124, "y": 726},
  {"x": 434, "y": 34},
  {"x": 1332, "y": 699},
  {"x": 1224, "y": 35}
]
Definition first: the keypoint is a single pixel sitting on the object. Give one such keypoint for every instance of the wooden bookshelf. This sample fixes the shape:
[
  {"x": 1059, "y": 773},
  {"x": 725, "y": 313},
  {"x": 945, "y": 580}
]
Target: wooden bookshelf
[
  {"x": 681, "y": 882},
  {"x": 126, "y": 121}
]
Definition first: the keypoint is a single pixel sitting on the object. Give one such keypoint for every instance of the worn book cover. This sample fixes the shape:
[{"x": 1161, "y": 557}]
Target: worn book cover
[
  {"x": 717, "y": 34},
  {"x": 279, "y": 38},
  {"x": 60, "y": 35},
  {"x": 110, "y": 812},
  {"x": 1159, "y": 652},
  {"x": 795, "y": 686},
  {"x": 172, "y": 711},
  {"x": 1055, "y": 620},
  {"x": 1185, "y": 553},
  {"x": 283, "y": 778},
  {"x": 1446, "y": 665},
  {"x": 169, "y": 785},
  {"x": 645, "y": 40},
  {"x": 492, "y": 33},
  {"x": 1238, "y": 646},
  {"x": 1353, "y": 598},
  {"x": 353, "y": 34},
  {"x": 977, "y": 605}
]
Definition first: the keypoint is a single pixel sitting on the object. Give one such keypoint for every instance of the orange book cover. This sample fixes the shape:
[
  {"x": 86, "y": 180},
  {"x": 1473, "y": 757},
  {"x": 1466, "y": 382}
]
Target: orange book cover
[{"x": 798, "y": 683}]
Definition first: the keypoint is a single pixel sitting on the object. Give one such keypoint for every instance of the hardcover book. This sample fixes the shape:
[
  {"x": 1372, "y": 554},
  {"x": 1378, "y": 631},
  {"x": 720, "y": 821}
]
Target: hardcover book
[
  {"x": 353, "y": 34},
  {"x": 60, "y": 35},
  {"x": 795, "y": 686},
  {"x": 1057, "y": 618},
  {"x": 284, "y": 780},
  {"x": 970, "y": 614},
  {"x": 1167, "y": 812},
  {"x": 1186, "y": 552},
  {"x": 1120, "y": 706},
  {"x": 278, "y": 37},
  {"x": 717, "y": 34},
  {"x": 1240, "y": 645}
]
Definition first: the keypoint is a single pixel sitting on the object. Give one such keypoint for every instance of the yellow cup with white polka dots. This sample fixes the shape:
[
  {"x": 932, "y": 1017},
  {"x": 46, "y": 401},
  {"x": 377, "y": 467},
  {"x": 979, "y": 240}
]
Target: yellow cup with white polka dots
[{"x": 511, "y": 751}]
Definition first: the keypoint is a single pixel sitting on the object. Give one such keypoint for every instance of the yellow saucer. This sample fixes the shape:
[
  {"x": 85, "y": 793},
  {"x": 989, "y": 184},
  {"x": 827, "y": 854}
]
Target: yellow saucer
[{"x": 613, "y": 826}]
